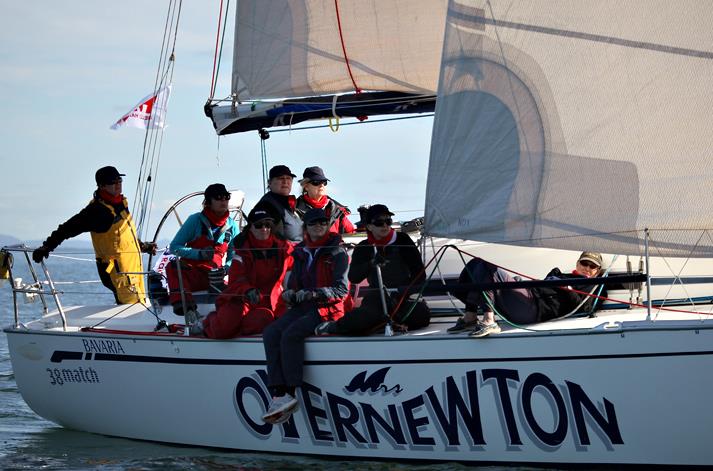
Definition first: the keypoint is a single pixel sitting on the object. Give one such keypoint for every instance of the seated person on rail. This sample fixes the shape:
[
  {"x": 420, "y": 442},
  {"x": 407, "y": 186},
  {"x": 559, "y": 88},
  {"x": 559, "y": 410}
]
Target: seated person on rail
[
  {"x": 201, "y": 245},
  {"x": 252, "y": 299},
  {"x": 398, "y": 259},
  {"x": 317, "y": 287}
]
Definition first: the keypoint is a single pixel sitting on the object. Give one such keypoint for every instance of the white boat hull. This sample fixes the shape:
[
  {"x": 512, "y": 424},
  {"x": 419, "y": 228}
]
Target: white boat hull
[{"x": 612, "y": 389}]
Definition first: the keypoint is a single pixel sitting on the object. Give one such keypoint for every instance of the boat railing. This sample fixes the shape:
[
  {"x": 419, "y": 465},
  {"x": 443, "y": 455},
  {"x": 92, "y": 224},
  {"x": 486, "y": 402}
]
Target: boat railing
[{"x": 36, "y": 287}]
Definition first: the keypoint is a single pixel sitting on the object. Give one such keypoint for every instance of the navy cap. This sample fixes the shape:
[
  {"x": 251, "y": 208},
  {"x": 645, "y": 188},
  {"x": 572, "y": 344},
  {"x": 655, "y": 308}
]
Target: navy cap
[
  {"x": 107, "y": 175},
  {"x": 376, "y": 210},
  {"x": 261, "y": 211},
  {"x": 215, "y": 190},
  {"x": 314, "y": 174},
  {"x": 280, "y": 170},
  {"x": 315, "y": 214}
]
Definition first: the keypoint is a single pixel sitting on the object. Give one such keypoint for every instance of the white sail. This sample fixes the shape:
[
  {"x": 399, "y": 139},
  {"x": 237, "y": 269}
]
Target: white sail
[
  {"x": 573, "y": 125},
  {"x": 294, "y": 48}
]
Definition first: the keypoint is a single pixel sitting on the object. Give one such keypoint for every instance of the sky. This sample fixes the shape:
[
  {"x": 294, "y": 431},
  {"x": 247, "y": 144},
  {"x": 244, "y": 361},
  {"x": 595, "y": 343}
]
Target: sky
[{"x": 69, "y": 70}]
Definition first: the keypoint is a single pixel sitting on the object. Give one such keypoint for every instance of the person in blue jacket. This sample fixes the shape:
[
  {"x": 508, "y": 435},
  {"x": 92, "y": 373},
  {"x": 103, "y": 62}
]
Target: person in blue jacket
[{"x": 203, "y": 247}]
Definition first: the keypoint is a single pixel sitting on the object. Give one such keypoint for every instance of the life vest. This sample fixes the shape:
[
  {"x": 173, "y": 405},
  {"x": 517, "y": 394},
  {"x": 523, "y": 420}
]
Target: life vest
[
  {"x": 119, "y": 248},
  {"x": 210, "y": 237}
]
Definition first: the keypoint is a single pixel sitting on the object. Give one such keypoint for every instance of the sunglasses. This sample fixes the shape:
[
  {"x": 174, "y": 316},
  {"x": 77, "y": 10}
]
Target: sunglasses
[
  {"x": 323, "y": 222},
  {"x": 263, "y": 225},
  {"x": 382, "y": 222},
  {"x": 222, "y": 197},
  {"x": 588, "y": 264},
  {"x": 318, "y": 183}
]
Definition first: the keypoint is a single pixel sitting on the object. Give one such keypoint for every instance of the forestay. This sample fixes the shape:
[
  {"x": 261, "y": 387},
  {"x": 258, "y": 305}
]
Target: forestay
[
  {"x": 286, "y": 49},
  {"x": 574, "y": 125}
]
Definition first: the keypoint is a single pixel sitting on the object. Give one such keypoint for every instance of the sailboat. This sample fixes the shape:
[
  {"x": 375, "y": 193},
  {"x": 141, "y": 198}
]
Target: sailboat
[{"x": 558, "y": 126}]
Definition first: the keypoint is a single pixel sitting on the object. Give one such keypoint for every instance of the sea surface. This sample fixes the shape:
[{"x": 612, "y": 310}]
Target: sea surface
[{"x": 30, "y": 442}]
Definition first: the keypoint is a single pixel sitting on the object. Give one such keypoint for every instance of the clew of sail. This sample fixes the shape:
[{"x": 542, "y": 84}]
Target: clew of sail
[
  {"x": 324, "y": 48},
  {"x": 575, "y": 124}
]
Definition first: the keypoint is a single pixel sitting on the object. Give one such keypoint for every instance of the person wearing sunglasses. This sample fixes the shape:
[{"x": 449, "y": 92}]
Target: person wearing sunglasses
[
  {"x": 317, "y": 287},
  {"x": 252, "y": 299},
  {"x": 401, "y": 266},
  {"x": 116, "y": 245},
  {"x": 314, "y": 195},
  {"x": 279, "y": 197},
  {"x": 201, "y": 245},
  {"x": 525, "y": 305}
]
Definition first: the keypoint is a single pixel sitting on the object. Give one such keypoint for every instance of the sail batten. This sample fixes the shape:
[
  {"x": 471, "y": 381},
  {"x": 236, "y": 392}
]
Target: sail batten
[{"x": 575, "y": 125}]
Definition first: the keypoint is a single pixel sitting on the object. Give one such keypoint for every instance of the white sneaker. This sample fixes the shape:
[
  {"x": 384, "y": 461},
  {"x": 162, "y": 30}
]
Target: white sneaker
[{"x": 281, "y": 408}]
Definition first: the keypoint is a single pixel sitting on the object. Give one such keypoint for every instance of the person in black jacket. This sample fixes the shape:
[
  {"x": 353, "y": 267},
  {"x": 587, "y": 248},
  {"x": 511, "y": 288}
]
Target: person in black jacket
[
  {"x": 525, "y": 305},
  {"x": 289, "y": 224},
  {"x": 399, "y": 260}
]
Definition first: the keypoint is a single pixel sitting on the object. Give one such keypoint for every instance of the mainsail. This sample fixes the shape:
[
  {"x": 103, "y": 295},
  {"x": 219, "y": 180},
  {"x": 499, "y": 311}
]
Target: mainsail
[
  {"x": 573, "y": 125},
  {"x": 385, "y": 55}
]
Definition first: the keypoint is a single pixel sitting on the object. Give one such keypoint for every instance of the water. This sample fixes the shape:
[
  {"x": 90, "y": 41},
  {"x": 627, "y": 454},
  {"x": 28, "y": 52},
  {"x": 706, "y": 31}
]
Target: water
[{"x": 30, "y": 442}]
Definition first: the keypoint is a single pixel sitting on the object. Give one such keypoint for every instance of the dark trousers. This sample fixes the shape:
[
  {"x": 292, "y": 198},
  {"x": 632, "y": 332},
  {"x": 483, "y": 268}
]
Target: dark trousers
[
  {"x": 517, "y": 305},
  {"x": 370, "y": 315},
  {"x": 284, "y": 345}
]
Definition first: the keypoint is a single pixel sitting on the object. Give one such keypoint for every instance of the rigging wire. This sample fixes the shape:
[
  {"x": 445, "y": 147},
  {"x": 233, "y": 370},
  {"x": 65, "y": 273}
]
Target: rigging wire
[
  {"x": 215, "y": 54},
  {"x": 153, "y": 138},
  {"x": 222, "y": 40}
]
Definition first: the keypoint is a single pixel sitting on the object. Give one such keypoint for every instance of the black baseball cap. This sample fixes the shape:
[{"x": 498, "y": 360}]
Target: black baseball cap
[
  {"x": 107, "y": 175},
  {"x": 376, "y": 210},
  {"x": 215, "y": 190},
  {"x": 261, "y": 211},
  {"x": 280, "y": 170},
  {"x": 315, "y": 214}
]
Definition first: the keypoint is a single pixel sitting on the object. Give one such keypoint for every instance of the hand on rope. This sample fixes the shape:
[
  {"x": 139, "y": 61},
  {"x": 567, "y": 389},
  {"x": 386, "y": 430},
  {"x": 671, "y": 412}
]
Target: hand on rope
[{"x": 379, "y": 261}]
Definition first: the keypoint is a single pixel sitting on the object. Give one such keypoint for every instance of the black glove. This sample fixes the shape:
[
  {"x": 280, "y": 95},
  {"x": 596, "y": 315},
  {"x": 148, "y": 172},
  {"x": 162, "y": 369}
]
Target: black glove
[
  {"x": 289, "y": 296},
  {"x": 252, "y": 296},
  {"x": 148, "y": 247},
  {"x": 304, "y": 295},
  {"x": 40, "y": 253},
  {"x": 216, "y": 276},
  {"x": 206, "y": 254},
  {"x": 379, "y": 261},
  {"x": 216, "y": 280}
]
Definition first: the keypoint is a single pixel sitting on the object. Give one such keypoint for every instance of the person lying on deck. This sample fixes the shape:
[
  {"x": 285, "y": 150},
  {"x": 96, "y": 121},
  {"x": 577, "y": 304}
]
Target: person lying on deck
[
  {"x": 252, "y": 299},
  {"x": 398, "y": 259},
  {"x": 317, "y": 287},
  {"x": 525, "y": 305}
]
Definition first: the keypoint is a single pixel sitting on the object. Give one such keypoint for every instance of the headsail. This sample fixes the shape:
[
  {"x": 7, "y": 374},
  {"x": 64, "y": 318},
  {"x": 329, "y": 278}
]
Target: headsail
[
  {"x": 573, "y": 125},
  {"x": 314, "y": 48}
]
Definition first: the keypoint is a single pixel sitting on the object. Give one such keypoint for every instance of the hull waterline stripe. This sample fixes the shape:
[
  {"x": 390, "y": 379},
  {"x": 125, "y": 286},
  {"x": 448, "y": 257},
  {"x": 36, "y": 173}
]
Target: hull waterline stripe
[{"x": 59, "y": 355}]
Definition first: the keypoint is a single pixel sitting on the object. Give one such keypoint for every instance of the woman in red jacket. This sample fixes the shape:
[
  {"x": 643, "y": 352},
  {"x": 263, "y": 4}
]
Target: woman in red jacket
[{"x": 252, "y": 299}]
